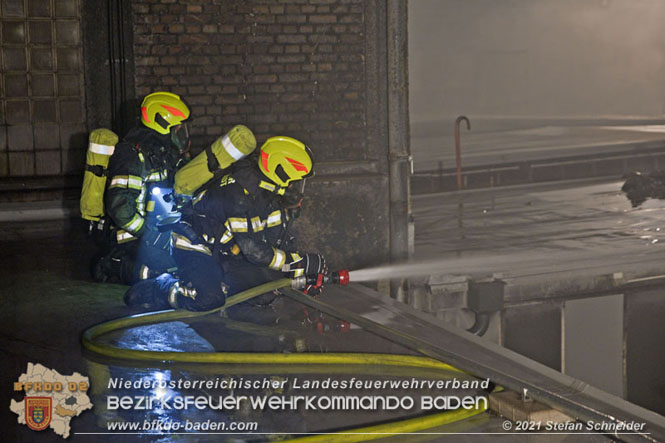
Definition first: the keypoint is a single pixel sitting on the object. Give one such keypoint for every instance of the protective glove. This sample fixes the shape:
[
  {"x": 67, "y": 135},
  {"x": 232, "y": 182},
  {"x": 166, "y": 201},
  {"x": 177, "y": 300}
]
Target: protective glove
[
  {"x": 315, "y": 270},
  {"x": 315, "y": 284},
  {"x": 149, "y": 234},
  {"x": 311, "y": 264}
]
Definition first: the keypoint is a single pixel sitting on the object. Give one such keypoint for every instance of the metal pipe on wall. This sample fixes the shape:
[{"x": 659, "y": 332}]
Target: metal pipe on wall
[{"x": 119, "y": 47}]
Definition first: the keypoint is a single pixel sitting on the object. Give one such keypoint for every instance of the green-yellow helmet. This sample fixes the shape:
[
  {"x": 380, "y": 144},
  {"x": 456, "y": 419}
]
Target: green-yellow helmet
[
  {"x": 285, "y": 159},
  {"x": 162, "y": 110}
]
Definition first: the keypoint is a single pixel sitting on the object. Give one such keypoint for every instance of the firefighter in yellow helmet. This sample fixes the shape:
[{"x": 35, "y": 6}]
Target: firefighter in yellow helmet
[
  {"x": 145, "y": 159},
  {"x": 235, "y": 236}
]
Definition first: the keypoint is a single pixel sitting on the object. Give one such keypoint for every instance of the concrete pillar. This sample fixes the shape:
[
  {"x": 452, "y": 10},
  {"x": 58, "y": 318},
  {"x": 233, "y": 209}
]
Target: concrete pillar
[{"x": 398, "y": 137}]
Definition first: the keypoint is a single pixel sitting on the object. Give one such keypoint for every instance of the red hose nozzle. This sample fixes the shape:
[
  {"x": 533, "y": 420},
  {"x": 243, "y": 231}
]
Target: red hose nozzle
[{"x": 340, "y": 277}]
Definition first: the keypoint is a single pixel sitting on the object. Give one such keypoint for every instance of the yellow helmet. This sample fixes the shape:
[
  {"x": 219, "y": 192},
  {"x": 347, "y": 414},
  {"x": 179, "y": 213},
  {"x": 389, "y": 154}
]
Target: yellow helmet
[
  {"x": 285, "y": 159},
  {"x": 162, "y": 110}
]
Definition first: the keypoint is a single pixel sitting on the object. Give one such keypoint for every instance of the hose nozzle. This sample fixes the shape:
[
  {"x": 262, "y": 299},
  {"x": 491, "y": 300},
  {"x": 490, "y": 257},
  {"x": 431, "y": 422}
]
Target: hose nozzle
[{"x": 340, "y": 277}]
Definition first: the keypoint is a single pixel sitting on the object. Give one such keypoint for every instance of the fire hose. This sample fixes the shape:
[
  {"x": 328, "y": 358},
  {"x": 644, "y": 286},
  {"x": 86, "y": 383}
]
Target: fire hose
[{"x": 91, "y": 343}]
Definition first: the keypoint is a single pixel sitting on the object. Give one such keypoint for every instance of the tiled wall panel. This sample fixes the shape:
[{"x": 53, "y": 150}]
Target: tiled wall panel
[{"x": 42, "y": 112}]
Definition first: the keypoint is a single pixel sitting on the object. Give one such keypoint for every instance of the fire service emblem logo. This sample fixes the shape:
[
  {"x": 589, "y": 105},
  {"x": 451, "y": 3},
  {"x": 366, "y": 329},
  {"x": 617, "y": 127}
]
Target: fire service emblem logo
[
  {"x": 38, "y": 412},
  {"x": 51, "y": 399}
]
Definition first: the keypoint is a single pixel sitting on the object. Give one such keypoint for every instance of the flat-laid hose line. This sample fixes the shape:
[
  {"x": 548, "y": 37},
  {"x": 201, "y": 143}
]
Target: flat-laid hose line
[{"x": 90, "y": 343}]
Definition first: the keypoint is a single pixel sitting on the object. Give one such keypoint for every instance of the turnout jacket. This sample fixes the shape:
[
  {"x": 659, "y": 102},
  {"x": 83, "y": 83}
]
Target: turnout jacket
[
  {"x": 238, "y": 213},
  {"x": 142, "y": 158}
]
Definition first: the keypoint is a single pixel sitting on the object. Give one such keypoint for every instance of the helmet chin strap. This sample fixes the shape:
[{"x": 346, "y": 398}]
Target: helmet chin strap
[{"x": 273, "y": 188}]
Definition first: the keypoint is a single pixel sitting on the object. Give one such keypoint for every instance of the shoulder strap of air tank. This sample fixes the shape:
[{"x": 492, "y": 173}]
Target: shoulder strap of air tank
[{"x": 213, "y": 163}]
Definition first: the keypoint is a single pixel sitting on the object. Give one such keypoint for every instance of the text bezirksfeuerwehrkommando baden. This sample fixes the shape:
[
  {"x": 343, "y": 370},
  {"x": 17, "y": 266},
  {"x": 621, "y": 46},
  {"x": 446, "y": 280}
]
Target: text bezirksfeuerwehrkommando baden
[{"x": 338, "y": 394}]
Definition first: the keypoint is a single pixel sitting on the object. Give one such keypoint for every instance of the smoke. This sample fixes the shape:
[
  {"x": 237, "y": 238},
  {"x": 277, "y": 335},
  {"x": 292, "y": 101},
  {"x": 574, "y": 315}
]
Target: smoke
[{"x": 526, "y": 58}]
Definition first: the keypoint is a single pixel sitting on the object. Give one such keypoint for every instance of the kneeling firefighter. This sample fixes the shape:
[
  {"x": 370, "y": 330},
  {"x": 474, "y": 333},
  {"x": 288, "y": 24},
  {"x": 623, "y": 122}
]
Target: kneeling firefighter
[
  {"x": 142, "y": 163},
  {"x": 234, "y": 235}
]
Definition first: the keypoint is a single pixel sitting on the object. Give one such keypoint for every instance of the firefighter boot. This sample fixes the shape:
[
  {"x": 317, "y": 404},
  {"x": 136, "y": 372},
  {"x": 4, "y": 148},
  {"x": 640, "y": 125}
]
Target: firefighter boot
[
  {"x": 113, "y": 268},
  {"x": 152, "y": 293}
]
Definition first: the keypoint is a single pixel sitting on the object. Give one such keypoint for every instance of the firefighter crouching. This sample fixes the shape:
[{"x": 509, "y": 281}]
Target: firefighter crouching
[
  {"x": 234, "y": 235},
  {"x": 146, "y": 158}
]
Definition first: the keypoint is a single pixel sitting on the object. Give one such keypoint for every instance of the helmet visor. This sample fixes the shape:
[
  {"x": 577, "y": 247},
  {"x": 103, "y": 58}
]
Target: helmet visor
[{"x": 180, "y": 137}]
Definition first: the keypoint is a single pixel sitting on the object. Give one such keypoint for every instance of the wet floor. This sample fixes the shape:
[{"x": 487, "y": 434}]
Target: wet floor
[
  {"x": 543, "y": 229},
  {"x": 222, "y": 335},
  {"x": 47, "y": 301}
]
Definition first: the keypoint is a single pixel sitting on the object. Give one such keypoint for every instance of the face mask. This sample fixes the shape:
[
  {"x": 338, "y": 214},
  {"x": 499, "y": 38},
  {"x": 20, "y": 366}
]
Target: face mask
[
  {"x": 180, "y": 137},
  {"x": 293, "y": 195}
]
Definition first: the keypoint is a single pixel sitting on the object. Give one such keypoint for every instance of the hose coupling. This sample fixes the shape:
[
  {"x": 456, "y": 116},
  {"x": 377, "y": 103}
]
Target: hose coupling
[{"x": 299, "y": 282}]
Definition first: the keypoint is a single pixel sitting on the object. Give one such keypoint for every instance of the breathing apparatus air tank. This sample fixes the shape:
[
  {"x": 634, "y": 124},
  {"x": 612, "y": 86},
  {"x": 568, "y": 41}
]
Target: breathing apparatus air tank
[
  {"x": 101, "y": 145},
  {"x": 238, "y": 143}
]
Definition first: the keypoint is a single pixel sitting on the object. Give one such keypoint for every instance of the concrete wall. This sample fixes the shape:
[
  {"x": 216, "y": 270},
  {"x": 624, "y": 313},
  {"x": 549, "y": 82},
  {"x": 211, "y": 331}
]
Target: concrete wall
[
  {"x": 609, "y": 339},
  {"x": 593, "y": 342},
  {"x": 295, "y": 68},
  {"x": 313, "y": 70},
  {"x": 316, "y": 70},
  {"x": 516, "y": 59},
  {"x": 645, "y": 361}
]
